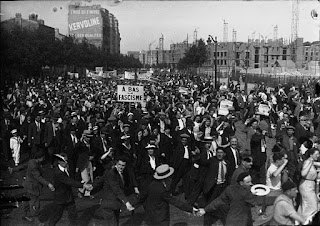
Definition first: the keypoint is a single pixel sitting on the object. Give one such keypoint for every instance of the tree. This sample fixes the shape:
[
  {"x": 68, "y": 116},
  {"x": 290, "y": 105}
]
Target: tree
[{"x": 195, "y": 56}]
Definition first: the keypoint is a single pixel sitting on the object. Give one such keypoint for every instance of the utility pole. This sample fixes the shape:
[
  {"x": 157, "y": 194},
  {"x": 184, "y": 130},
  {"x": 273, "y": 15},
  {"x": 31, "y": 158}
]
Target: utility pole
[{"x": 210, "y": 39}]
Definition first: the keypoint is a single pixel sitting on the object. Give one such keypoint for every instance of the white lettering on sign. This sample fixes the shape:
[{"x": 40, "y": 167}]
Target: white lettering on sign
[
  {"x": 83, "y": 24},
  {"x": 130, "y": 93}
]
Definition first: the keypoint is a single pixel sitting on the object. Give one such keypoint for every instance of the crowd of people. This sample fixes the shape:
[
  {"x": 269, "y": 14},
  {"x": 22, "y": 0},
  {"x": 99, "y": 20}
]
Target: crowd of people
[{"x": 91, "y": 141}]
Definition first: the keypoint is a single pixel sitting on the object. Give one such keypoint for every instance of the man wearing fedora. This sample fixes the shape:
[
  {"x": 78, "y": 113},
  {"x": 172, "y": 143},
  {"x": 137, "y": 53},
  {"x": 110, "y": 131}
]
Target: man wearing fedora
[
  {"x": 157, "y": 198},
  {"x": 35, "y": 134},
  {"x": 52, "y": 138}
]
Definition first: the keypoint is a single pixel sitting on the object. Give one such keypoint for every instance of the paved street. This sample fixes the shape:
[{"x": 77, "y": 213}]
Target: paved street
[{"x": 87, "y": 208}]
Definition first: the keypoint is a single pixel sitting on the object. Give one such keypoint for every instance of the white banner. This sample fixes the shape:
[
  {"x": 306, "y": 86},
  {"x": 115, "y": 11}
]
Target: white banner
[
  {"x": 128, "y": 93},
  {"x": 227, "y": 104},
  {"x": 128, "y": 75}
]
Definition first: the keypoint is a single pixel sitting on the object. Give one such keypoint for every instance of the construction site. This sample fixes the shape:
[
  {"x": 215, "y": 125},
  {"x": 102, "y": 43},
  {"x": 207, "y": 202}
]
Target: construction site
[{"x": 260, "y": 54}]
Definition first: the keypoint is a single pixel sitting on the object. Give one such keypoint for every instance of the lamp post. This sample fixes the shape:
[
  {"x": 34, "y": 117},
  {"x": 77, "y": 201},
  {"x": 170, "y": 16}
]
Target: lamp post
[{"x": 210, "y": 39}]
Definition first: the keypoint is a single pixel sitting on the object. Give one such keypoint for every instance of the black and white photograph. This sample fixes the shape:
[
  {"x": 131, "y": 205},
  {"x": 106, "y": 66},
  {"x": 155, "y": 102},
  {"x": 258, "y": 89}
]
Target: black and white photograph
[{"x": 160, "y": 112}]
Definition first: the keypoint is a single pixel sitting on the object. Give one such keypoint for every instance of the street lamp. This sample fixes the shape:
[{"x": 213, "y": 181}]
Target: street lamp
[{"x": 210, "y": 39}]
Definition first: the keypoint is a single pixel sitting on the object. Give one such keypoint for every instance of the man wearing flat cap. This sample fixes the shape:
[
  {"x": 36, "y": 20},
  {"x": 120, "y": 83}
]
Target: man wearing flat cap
[
  {"x": 289, "y": 141},
  {"x": 182, "y": 161}
]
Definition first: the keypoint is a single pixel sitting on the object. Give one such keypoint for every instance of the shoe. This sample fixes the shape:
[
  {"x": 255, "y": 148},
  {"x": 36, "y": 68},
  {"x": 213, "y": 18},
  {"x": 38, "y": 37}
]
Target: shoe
[
  {"x": 80, "y": 195},
  {"x": 29, "y": 219}
]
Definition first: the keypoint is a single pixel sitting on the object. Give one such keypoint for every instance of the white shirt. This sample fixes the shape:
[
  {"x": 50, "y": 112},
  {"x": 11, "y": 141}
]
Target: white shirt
[
  {"x": 152, "y": 162},
  {"x": 15, "y": 143},
  {"x": 219, "y": 180},
  {"x": 207, "y": 131},
  {"x": 186, "y": 153},
  {"x": 181, "y": 124},
  {"x": 271, "y": 181},
  {"x": 63, "y": 170},
  {"x": 234, "y": 152}
]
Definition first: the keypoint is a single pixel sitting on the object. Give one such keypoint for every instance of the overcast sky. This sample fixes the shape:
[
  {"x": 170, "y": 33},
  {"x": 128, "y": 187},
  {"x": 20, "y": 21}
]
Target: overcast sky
[{"x": 142, "y": 22}]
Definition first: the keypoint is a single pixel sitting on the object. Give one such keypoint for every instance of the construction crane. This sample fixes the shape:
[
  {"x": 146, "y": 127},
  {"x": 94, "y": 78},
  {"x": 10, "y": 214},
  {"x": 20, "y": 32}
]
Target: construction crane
[
  {"x": 225, "y": 31},
  {"x": 294, "y": 28},
  {"x": 275, "y": 33},
  {"x": 253, "y": 35},
  {"x": 195, "y": 34},
  {"x": 150, "y": 51}
]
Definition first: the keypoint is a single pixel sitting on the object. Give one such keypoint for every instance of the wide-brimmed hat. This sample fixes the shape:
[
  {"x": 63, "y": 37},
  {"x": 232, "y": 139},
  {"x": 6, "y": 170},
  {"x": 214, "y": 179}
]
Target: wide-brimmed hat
[
  {"x": 151, "y": 146},
  {"x": 260, "y": 190},
  {"x": 124, "y": 137},
  {"x": 87, "y": 133},
  {"x": 163, "y": 171},
  {"x": 290, "y": 127},
  {"x": 14, "y": 131},
  {"x": 207, "y": 139},
  {"x": 60, "y": 157}
]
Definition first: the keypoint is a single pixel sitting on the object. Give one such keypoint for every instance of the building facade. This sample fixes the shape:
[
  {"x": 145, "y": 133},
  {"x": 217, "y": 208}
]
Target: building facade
[
  {"x": 97, "y": 25},
  {"x": 32, "y": 23}
]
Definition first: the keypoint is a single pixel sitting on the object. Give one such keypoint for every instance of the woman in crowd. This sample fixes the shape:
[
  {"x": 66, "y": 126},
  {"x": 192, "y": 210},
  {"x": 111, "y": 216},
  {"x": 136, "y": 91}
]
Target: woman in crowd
[{"x": 309, "y": 202}]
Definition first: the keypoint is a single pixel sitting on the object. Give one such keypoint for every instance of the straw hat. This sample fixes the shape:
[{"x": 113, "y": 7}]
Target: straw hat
[{"x": 163, "y": 171}]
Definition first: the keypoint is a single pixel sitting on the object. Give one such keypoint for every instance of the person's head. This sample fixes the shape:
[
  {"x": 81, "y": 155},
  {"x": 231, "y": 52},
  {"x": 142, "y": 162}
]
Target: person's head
[
  {"x": 151, "y": 149},
  {"x": 207, "y": 122},
  {"x": 220, "y": 153},
  {"x": 62, "y": 159},
  {"x": 290, "y": 189},
  {"x": 290, "y": 130},
  {"x": 126, "y": 128},
  {"x": 121, "y": 164},
  {"x": 246, "y": 161},
  {"x": 184, "y": 139},
  {"x": 38, "y": 118},
  {"x": 313, "y": 153},
  {"x": 197, "y": 118},
  {"x": 234, "y": 142},
  {"x": 244, "y": 179},
  {"x": 278, "y": 158},
  {"x": 39, "y": 156},
  {"x": 155, "y": 131},
  {"x": 254, "y": 123}
]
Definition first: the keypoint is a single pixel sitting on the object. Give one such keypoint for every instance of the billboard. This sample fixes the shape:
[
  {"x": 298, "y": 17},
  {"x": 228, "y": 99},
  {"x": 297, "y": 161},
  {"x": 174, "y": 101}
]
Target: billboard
[{"x": 85, "y": 21}]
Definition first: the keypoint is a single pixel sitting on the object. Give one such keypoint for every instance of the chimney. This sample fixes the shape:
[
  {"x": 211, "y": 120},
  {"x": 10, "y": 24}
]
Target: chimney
[{"x": 18, "y": 15}]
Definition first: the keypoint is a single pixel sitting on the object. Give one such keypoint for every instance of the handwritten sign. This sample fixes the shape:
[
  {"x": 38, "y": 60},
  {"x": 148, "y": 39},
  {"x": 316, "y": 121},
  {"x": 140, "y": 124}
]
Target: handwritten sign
[{"x": 128, "y": 93}]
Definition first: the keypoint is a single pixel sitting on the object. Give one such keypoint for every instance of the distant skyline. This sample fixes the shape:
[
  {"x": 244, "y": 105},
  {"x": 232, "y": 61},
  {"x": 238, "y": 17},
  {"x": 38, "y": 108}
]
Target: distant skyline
[{"x": 142, "y": 22}]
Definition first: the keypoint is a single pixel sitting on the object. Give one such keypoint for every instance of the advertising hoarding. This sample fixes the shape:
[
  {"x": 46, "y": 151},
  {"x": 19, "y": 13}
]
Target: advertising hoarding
[{"x": 85, "y": 21}]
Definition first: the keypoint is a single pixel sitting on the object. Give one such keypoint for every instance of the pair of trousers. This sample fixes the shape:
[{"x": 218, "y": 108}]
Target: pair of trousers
[
  {"x": 55, "y": 216},
  {"x": 110, "y": 216},
  {"x": 32, "y": 207}
]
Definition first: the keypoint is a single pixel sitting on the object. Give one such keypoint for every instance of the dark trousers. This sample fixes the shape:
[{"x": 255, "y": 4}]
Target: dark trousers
[
  {"x": 111, "y": 216},
  {"x": 211, "y": 218},
  {"x": 56, "y": 215},
  {"x": 32, "y": 207},
  {"x": 180, "y": 173},
  {"x": 51, "y": 151},
  {"x": 35, "y": 148}
]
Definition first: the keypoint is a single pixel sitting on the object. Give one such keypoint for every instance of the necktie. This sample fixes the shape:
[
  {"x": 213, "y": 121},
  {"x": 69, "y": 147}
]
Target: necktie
[
  {"x": 73, "y": 140},
  {"x": 121, "y": 176},
  {"x": 221, "y": 171}
]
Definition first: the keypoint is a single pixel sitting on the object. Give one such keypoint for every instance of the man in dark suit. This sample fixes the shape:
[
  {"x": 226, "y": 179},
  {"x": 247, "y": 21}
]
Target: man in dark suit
[
  {"x": 182, "y": 161},
  {"x": 70, "y": 145},
  {"x": 33, "y": 185},
  {"x": 157, "y": 198},
  {"x": 5, "y": 128},
  {"x": 114, "y": 185},
  {"x": 35, "y": 134},
  {"x": 232, "y": 155},
  {"x": 215, "y": 182},
  {"x": 63, "y": 196},
  {"x": 166, "y": 146},
  {"x": 52, "y": 138}
]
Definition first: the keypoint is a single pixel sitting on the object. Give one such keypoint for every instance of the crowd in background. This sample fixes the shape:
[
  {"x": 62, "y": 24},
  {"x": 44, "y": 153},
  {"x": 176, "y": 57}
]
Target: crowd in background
[{"x": 184, "y": 129}]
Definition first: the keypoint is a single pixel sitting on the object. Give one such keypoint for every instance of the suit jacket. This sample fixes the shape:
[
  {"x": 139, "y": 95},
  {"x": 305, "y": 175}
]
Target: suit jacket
[
  {"x": 178, "y": 155},
  {"x": 166, "y": 147},
  {"x": 48, "y": 134},
  {"x": 35, "y": 136},
  {"x": 63, "y": 187},
  {"x": 230, "y": 158},
  {"x": 292, "y": 154},
  {"x": 212, "y": 174},
  {"x": 157, "y": 199},
  {"x": 34, "y": 180},
  {"x": 259, "y": 158},
  {"x": 113, "y": 190}
]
